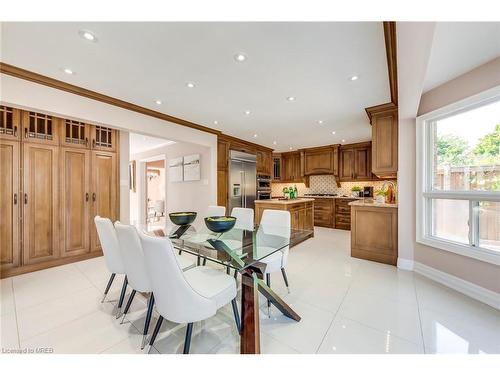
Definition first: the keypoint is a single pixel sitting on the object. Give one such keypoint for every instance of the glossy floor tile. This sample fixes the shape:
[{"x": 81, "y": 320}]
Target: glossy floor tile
[{"x": 347, "y": 305}]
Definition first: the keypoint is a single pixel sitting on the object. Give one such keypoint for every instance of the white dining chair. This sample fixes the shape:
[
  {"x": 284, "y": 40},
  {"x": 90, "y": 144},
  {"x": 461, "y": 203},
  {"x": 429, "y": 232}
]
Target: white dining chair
[
  {"x": 244, "y": 218},
  {"x": 185, "y": 297},
  {"x": 276, "y": 223},
  {"x": 216, "y": 211},
  {"x": 112, "y": 255}
]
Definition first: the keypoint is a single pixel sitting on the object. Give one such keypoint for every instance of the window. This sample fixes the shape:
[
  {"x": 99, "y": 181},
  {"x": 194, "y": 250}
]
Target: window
[{"x": 458, "y": 177}]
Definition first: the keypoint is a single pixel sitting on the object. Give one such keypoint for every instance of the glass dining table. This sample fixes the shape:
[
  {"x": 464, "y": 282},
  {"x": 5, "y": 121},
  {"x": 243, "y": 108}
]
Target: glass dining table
[{"x": 241, "y": 252}]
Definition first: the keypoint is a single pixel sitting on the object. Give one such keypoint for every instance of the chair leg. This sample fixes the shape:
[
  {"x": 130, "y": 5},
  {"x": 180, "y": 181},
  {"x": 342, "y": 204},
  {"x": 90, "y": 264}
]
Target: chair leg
[
  {"x": 285, "y": 279},
  {"x": 187, "y": 340},
  {"x": 111, "y": 278},
  {"x": 236, "y": 315},
  {"x": 268, "y": 282},
  {"x": 151, "y": 303},
  {"x": 122, "y": 298},
  {"x": 204, "y": 261},
  {"x": 156, "y": 330},
  {"x": 129, "y": 303}
]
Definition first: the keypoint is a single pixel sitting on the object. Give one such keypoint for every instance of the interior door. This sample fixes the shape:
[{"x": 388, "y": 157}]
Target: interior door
[
  {"x": 40, "y": 203},
  {"x": 9, "y": 205},
  {"x": 103, "y": 191},
  {"x": 75, "y": 201}
]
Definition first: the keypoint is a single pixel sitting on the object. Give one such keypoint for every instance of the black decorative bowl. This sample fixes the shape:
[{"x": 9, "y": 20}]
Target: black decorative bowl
[
  {"x": 182, "y": 218},
  {"x": 220, "y": 224}
]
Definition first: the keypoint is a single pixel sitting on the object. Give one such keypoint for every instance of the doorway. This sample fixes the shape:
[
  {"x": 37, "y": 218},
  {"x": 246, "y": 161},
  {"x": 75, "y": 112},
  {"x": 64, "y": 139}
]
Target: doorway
[{"x": 155, "y": 194}]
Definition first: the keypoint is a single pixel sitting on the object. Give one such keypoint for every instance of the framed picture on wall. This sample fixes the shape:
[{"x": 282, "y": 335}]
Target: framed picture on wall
[
  {"x": 175, "y": 171},
  {"x": 131, "y": 175},
  {"x": 192, "y": 167}
]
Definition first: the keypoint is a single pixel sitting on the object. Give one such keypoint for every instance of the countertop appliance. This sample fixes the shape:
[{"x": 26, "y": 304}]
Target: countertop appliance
[
  {"x": 368, "y": 191},
  {"x": 242, "y": 180}
]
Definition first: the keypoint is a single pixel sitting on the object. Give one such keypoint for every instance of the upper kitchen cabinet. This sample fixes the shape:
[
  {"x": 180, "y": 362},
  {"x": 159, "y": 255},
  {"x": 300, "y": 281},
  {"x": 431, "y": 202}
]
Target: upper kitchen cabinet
[
  {"x": 264, "y": 162},
  {"x": 75, "y": 134},
  {"x": 291, "y": 170},
  {"x": 355, "y": 162},
  {"x": 103, "y": 138},
  {"x": 277, "y": 168},
  {"x": 320, "y": 160},
  {"x": 10, "y": 123},
  {"x": 384, "y": 120},
  {"x": 40, "y": 128}
]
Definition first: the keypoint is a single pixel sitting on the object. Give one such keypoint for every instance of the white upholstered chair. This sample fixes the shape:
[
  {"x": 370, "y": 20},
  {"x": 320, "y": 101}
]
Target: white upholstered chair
[
  {"x": 216, "y": 211},
  {"x": 185, "y": 297},
  {"x": 244, "y": 218},
  {"x": 112, "y": 255}
]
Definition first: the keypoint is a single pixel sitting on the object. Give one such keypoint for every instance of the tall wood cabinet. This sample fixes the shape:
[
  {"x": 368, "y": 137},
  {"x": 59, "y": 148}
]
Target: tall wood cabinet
[
  {"x": 56, "y": 175},
  {"x": 355, "y": 162}
]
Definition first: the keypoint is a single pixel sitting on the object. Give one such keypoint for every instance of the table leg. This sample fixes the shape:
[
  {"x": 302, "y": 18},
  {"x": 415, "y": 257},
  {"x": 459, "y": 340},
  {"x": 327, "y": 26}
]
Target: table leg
[
  {"x": 272, "y": 297},
  {"x": 250, "y": 324}
]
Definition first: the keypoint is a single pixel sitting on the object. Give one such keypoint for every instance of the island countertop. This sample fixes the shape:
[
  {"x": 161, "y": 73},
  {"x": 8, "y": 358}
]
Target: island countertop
[
  {"x": 372, "y": 203},
  {"x": 283, "y": 202}
]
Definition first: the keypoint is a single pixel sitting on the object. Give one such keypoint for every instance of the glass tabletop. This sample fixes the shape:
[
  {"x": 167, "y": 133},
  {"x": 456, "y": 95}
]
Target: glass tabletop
[{"x": 237, "y": 248}]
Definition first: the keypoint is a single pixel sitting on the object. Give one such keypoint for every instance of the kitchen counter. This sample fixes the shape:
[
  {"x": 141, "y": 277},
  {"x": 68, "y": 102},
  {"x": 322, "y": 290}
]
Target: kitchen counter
[
  {"x": 331, "y": 197},
  {"x": 372, "y": 203},
  {"x": 283, "y": 201}
]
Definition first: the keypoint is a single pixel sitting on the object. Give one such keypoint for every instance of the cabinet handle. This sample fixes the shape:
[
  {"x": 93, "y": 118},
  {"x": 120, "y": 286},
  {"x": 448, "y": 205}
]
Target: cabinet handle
[
  {"x": 25, "y": 198},
  {"x": 15, "y": 198},
  {"x": 15, "y": 131},
  {"x": 86, "y": 197},
  {"x": 93, "y": 197},
  {"x": 93, "y": 143},
  {"x": 86, "y": 142},
  {"x": 25, "y": 132}
]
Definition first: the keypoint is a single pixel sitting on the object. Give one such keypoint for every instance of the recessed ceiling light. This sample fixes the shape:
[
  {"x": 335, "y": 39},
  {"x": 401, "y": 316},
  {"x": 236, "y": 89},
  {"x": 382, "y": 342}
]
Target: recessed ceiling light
[
  {"x": 158, "y": 101},
  {"x": 240, "y": 57},
  {"x": 68, "y": 71},
  {"x": 291, "y": 148},
  {"x": 275, "y": 143},
  {"x": 255, "y": 135},
  {"x": 190, "y": 85},
  {"x": 333, "y": 132},
  {"x": 87, "y": 35},
  {"x": 353, "y": 78},
  {"x": 216, "y": 122},
  {"x": 320, "y": 122},
  {"x": 247, "y": 112},
  {"x": 291, "y": 98},
  {"x": 343, "y": 140}
]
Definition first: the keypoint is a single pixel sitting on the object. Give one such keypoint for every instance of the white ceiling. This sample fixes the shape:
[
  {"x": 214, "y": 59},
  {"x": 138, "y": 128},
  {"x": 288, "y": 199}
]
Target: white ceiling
[
  {"x": 140, "y": 143},
  {"x": 459, "y": 47},
  {"x": 142, "y": 62}
]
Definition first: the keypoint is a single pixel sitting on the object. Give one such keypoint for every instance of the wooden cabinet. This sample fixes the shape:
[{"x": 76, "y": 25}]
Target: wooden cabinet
[
  {"x": 355, "y": 162},
  {"x": 103, "y": 138},
  {"x": 222, "y": 155},
  {"x": 385, "y": 143},
  {"x": 276, "y": 175},
  {"x": 374, "y": 234},
  {"x": 264, "y": 162},
  {"x": 75, "y": 134},
  {"x": 222, "y": 179},
  {"x": 321, "y": 160},
  {"x": 40, "y": 203},
  {"x": 10, "y": 201},
  {"x": 10, "y": 123},
  {"x": 40, "y": 128},
  {"x": 291, "y": 167},
  {"x": 343, "y": 213},
  {"x": 324, "y": 212},
  {"x": 103, "y": 188},
  {"x": 75, "y": 195}
]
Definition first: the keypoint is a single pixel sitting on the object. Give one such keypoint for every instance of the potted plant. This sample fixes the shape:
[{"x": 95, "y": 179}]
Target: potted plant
[
  {"x": 355, "y": 191},
  {"x": 380, "y": 196}
]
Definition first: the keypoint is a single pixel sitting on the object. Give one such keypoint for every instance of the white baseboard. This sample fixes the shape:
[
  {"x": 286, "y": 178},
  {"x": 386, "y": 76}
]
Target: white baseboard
[
  {"x": 469, "y": 289},
  {"x": 405, "y": 264}
]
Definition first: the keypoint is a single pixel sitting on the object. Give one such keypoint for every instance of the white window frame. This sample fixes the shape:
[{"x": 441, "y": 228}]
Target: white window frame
[{"x": 424, "y": 189}]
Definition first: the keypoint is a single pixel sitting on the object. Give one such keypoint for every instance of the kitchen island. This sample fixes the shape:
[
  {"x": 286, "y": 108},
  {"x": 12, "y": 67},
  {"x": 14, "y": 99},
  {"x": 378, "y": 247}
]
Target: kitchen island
[
  {"x": 301, "y": 211},
  {"x": 374, "y": 231}
]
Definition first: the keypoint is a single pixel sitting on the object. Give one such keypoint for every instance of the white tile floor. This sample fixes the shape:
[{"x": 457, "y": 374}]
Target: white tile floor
[{"x": 347, "y": 306}]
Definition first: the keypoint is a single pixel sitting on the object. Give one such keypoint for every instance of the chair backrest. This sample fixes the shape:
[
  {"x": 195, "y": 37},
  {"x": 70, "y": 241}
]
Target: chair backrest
[
  {"x": 175, "y": 299},
  {"x": 244, "y": 218},
  {"x": 216, "y": 211},
  {"x": 133, "y": 257},
  {"x": 279, "y": 223},
  {"x": 109, "y": 244}
]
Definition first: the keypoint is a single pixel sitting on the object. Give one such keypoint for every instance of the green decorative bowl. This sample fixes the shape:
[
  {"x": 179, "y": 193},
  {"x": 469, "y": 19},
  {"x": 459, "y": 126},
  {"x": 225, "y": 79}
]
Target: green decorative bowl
[
  {"x": 182, "y": 218},
  {"x": 220, "y": 224}
]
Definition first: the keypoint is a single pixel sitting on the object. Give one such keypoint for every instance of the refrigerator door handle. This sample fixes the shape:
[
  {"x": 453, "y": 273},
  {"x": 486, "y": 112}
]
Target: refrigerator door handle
[{"x": 242, "y": 191}]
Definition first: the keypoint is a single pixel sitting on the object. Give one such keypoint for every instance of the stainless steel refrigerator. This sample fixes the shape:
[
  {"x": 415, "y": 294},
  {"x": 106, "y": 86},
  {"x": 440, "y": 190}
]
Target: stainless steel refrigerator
[{"x": 242, "y": 180}]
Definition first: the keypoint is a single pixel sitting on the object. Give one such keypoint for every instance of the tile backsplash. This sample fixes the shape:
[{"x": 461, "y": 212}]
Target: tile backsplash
[{"x": 324, "y": 184}]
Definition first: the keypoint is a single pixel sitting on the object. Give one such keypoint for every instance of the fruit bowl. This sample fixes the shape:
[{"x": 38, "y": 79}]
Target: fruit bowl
[
  {"x": 182, "y": 218},
  {"x": 220, "y": 224}
]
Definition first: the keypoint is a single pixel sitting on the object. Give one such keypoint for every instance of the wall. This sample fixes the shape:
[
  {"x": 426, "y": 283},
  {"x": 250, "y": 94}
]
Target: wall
[
  {"x": 32, "y": 96},
  {"x": 324, "y": 184},
  {"x": 186, "y": 195}
]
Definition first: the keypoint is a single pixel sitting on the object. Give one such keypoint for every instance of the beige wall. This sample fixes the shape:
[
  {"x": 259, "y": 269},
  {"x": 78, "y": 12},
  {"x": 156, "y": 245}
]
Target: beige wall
[{"x": 480, "y": 79}]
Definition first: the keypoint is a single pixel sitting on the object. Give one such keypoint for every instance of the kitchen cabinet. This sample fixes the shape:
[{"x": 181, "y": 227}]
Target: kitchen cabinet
[
  {"x": 222, "y": 155},
  {"x": 103, "y": 186},
  {"x": 75, "y": 193},
  {"x": 324, "y": 212},
  {"x": 276, "y": 175},
  {"x": 40, "y": 203},
  {"x": 10, "y": 200},
  {"x": 291, "y": 167},
  {"x": 320, "y": 160},
  {"x": 355, "y": 162},
  {"x": 10, "y": 123},
  {"x": 75, "y": 134},
  {"x": 222, "y": 179},
  {"x": 385, "y": 144},
  {"x": 343, "y": 213},
  {"x": 264, "y": 162},
  {"x": 40, "y": 128},
  {"x": 103, "y": 138}
]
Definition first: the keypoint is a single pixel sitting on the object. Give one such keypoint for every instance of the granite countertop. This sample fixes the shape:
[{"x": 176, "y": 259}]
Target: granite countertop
[
  {"x": 373, "y": 203},
  {"x": 284, "y": 201},
  {"x": 332, "y": 197}
]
